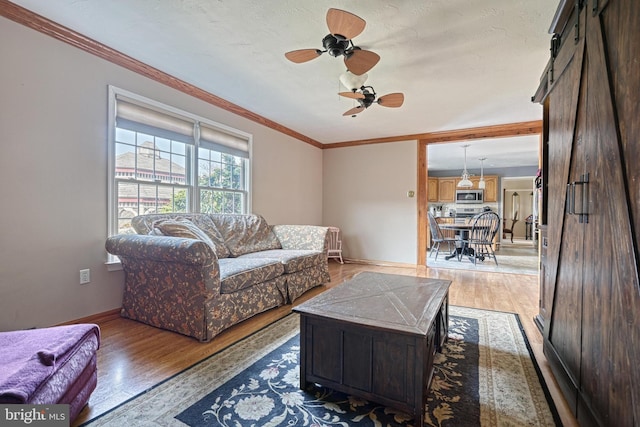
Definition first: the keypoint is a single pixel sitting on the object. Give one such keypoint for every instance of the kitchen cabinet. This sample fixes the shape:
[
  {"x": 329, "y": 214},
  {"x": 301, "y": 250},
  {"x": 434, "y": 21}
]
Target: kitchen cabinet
[
  {"x": 490, "y": 187},
  {"x": 591, "y": 306},
  {"x": 447, "y": 190},
  {"x": 443, "y": 190},
  {"x": 432, "y": 190}
]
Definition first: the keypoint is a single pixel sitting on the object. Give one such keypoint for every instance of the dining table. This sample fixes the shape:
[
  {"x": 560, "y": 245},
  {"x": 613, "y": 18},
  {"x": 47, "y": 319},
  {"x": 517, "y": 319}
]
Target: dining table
[{"x": 461, "y": 230}]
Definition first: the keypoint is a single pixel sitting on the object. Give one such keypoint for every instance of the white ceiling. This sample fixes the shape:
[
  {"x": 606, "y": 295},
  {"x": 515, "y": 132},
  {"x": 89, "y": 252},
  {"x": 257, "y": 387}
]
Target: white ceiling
[{"x": 460, "y": 63}]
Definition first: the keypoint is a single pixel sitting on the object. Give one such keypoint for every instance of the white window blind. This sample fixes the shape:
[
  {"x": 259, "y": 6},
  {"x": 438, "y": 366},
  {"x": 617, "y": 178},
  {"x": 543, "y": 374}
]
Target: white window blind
[
  {"x": 142, "y": 119},
  {"x": 223, "y": 142}
]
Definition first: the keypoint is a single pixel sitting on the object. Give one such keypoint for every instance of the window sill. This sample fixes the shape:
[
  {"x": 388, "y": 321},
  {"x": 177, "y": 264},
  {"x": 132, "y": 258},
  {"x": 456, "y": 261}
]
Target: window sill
[{"x": 114, "y": 265}]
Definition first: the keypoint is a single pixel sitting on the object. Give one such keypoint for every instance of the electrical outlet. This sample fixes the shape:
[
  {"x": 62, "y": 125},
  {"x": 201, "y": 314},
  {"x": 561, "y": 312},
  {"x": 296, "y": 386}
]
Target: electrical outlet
[{"x": 85, "y": 276}]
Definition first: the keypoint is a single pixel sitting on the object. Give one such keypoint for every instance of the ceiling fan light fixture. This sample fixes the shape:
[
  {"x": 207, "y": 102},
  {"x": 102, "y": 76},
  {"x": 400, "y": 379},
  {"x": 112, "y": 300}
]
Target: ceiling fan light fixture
[
  {"x": 352, "y": 81},
  {"x": 465, "y": 181}
]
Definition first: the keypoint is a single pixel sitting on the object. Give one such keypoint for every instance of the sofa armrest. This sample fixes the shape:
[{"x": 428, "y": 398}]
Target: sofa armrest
[
  {"x": 160, "y": 248},
  {"x": 302, "y": 237},
  {"x": 161, "y": 258}
]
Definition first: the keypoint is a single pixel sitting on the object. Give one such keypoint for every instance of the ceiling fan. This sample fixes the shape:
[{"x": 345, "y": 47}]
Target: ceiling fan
[
  {"x": 367, "y": 96},
  {"x": 343, "y": 27}
]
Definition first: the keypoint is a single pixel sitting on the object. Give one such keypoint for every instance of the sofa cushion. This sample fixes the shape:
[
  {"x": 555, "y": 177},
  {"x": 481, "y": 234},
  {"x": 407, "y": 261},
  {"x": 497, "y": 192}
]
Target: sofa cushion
[
  {"x": 245, "y": 233},
  {"x": 293, "y": 260},
  {"x": 241, "y": 273}
]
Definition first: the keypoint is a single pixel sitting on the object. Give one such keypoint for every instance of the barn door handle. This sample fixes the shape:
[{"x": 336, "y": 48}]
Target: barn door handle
[
  {"x": 583, "y": 214},
  {"x": 571, "y": 198}
]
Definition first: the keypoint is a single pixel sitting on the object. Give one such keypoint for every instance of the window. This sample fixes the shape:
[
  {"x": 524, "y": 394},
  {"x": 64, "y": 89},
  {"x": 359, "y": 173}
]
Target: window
[{"x": 165, "y": 160}]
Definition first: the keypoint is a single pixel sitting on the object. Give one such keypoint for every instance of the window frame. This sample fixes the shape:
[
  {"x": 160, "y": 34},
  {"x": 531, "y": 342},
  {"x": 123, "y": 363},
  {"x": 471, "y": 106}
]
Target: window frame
[{"x": 191, "y": 158}]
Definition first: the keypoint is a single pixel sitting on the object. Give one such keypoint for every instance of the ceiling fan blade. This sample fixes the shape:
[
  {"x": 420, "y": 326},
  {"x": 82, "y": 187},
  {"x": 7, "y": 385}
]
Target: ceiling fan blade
[
  {"x": 302, "y": 55},
  {"x": 352, "y": 95},
  {"x": 392, "y": 100},
  {"x": 354, "y": 110},
  {"x": 344, "y": 23},
  {"x": 361, "y": 61}
]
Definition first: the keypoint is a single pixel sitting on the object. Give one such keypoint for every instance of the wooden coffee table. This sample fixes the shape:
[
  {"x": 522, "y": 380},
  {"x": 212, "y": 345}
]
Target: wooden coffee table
[{"x": 375, "y": 337}]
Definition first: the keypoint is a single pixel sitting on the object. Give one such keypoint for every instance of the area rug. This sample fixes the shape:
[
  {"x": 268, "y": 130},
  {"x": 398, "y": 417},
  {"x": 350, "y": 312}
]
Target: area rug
[
  {"x": 516, "y": 261},
  {"x": 485, "y": 376}
]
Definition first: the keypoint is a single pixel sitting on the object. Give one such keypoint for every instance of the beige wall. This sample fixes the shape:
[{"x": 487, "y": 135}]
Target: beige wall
[
  {"x": 365, "y": 194},
  {"x": 53, "y": 170}
]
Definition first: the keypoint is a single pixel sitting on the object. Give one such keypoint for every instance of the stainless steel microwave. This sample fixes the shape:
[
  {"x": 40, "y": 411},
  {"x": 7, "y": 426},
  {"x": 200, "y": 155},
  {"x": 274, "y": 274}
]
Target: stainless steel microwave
[{"x": 469, "y": 196}]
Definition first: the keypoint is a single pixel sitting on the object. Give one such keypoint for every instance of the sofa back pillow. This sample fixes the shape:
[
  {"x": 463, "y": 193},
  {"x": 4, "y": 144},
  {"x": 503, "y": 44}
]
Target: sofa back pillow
[
  {"x": 180, "y": 228},
  {"x": 204, "y": 223},
  {"x": 143, "y": 224},
  {"x": 245, "y": 234}
]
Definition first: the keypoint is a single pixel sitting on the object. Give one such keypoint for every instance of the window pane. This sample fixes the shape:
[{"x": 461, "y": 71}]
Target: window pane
[
  {"x": 127, "y": 206},
  {"x": 163, "y": 144},
  {"x": 206, "y": 201},
  {"x": 175, "y": 200},
  {"x": 216, "y": 156},
  {"x": 126, "y": 136},
  {"x": 178, "y": 171},
  {"x": 215, "y": 179},
  {"x": 237, "y": 176},
  {"x": 149, "y": 199},
  {"x": 203, "y": 173},
  {"x": 215, "y": 201},
  {"x": 228, "y": 203},
  {"x": 145, "y": 162},
  {"x": 124, "y": 148},
  {"x": 235, "y": 202},
  {"x": 178, "y": 147},
  {"x": 143, "y": 138},
  {"x": 125, "y": 161},
  {"x": 204, "y": 153}
]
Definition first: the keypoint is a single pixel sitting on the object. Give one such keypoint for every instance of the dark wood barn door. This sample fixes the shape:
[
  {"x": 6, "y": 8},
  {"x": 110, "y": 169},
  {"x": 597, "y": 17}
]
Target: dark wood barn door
[{"x": 593, "y": 337}]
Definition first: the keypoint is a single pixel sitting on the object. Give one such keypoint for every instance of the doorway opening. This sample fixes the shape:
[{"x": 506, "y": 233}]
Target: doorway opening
[
  {"x": 518, "y": 212},
  {"x": 533, "y": 128}
]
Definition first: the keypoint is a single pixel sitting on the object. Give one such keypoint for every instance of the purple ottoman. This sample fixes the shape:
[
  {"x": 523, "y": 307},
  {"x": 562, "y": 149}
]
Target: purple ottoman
[{"x": 49, "y": 365}]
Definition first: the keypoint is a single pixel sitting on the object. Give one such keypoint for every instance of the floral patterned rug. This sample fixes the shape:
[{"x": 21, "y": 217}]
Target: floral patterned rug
[{"x": 484, "y": 376}]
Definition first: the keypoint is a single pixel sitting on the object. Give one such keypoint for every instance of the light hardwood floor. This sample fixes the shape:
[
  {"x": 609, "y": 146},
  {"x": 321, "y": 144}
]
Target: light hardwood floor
[{"x": 134, "y": 357}]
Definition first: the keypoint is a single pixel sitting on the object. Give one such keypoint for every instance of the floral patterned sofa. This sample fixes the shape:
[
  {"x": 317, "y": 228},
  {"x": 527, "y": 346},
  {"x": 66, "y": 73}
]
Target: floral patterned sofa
[{"x": 198, "y": 274}]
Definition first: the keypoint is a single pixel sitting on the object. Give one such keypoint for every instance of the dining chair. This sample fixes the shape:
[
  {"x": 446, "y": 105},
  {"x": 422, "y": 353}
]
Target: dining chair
[
  {"x": 484, "y": 227},
  {"x": 437, "y": 237},
  {"x": 509, "y": 230}
]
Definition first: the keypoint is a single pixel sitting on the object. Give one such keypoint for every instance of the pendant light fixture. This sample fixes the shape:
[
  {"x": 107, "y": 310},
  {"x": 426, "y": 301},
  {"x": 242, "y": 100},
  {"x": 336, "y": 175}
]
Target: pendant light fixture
[
  {"x": 481, "y": 183},
  {"x": 465, "y": 182}
]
